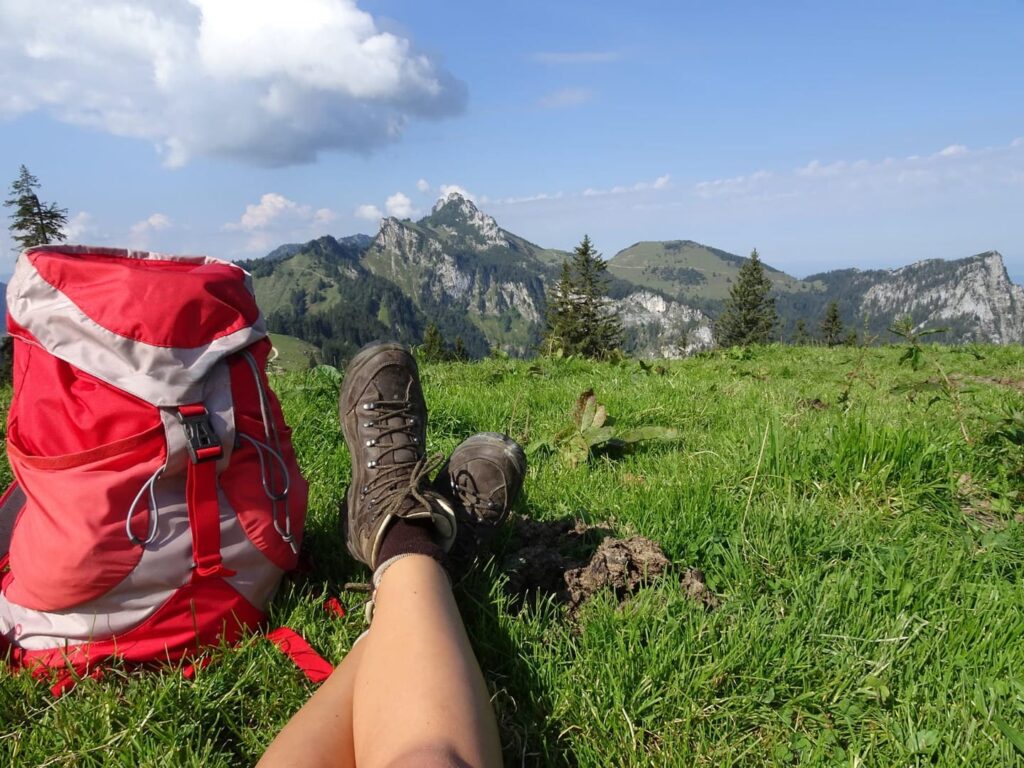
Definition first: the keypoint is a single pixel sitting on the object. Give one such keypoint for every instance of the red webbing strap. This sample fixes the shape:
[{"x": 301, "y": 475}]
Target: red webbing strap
[
  {"x": 313, "y": 665},
  {"x": 201, "y": 497}
]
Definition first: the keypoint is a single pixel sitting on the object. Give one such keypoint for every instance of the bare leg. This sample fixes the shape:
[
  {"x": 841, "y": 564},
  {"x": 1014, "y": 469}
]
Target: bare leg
[
  {"x": 412, "y": 688},
  {"x": 320, "y": 734}
]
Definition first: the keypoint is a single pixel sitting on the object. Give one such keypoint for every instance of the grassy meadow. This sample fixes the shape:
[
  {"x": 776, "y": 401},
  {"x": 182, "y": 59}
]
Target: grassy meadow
[{"x": 858, "y": 520}]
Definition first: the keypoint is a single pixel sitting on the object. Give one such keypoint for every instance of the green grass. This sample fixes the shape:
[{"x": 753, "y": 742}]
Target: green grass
[
  {"x": 866, "y": 618},
  {"x": 292, "y": 354}
]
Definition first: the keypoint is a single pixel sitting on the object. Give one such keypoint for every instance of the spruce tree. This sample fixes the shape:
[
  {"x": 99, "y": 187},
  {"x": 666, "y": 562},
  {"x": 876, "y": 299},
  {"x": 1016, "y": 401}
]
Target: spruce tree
[
  {"x": 581, "y": 320},
  {"x": 432, "y": 348},
  {"x": 800, "y": 336},
  {"x": 832, "y": 326},
  {"x": 561, "y": 316},
  {"x": 459, "y": 351},
  {"x": 34, "y": 222},
  {"x": 749, "y": 316}
]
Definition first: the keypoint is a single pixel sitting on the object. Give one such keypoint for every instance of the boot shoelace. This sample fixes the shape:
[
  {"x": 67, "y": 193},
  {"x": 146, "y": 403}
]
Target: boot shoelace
[
  {"x": 395, "y": 482},
  {"x": 472, "y": 500},
  {"x": 399, "y": 480}
]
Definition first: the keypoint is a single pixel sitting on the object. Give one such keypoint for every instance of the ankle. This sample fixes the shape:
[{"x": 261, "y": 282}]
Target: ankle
[{"x": 409, "y": 537}]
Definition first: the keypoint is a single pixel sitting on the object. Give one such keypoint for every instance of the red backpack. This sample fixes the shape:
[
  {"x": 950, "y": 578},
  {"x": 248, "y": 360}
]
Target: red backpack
[{"x": 157, "y": 499}]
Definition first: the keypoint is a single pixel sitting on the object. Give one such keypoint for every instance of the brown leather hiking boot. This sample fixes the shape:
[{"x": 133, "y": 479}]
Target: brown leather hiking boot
[
  {"x": 384, "y": 420},
  {"x": 483, "y": 477}
]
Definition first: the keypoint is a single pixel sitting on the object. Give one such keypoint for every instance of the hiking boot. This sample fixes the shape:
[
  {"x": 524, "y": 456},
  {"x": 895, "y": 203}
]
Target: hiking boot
[
  {"x": 483, "y": 477},
  {"x": 384, "y": 420}
]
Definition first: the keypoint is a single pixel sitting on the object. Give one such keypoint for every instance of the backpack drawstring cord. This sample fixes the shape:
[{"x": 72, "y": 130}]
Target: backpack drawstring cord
[
  {"x": 272, "y": 446},
  {"x": 154, "y": 510}
]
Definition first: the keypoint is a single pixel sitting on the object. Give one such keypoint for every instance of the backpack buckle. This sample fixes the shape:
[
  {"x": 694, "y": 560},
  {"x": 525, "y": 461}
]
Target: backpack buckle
[{"x": 202, "y": 442}]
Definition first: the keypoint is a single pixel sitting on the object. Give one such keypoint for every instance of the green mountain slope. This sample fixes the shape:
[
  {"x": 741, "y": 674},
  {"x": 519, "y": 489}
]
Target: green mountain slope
[
  {"x": 458, "y": 269},
  {"x": 689, "y": 270}
]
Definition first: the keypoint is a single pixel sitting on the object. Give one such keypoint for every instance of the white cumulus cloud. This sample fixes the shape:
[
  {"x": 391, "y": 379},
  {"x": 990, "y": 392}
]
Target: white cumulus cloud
[
  {"x": 153, "y": 223},
  {"x": 275, "y": 218},
  {"x": 368, "y": 212},
  {"x": 423, "y": 186},
  {"x": 399, "y": 206},
  {"x": 140, "y": 231},
  {"x": 263, "y": 81},
  {"x": 78, "y": 226},
  {"x": 455, "y": 189}
]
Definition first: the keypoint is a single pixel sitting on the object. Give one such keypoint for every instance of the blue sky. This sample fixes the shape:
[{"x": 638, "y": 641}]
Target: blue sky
[{"x": 826, "y": 135}]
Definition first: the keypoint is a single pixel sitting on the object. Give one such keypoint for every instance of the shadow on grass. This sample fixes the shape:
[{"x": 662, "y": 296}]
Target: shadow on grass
[{"x": 512, "y": 602}]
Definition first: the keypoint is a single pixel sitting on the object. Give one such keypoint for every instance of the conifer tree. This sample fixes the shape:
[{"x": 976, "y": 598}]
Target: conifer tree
[
  {"x": 459, "y": 351},
  {"x": 433, "y": 344},
  {"x": 34, "y": 222},
  {"x": 580, "y": 318},
  {"x": 749, "y": 316},
  {"x": 832, "y": 326},
  {"x": 561, "y": 317},
  {"x": 800, "y": 336}
]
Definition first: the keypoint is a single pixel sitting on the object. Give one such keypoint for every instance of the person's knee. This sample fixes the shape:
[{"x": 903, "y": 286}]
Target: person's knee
[{"x": 433, "y": 756}]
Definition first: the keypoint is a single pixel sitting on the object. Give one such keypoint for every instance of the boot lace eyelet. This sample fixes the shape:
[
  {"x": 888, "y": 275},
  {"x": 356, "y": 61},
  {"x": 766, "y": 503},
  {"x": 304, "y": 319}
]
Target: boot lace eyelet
[
  {"x": 371, "y": 443},
  {"x": 371, "y": 465}
]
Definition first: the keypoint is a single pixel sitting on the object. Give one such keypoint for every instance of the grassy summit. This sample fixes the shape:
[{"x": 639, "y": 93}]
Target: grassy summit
[
  {"x": 689, "y": 270},
  {"x": 866, "y": 559}
]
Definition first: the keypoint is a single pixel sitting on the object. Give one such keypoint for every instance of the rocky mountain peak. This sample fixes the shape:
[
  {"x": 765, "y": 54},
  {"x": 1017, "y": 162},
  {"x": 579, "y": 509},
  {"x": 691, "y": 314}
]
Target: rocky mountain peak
[{"x": 457, "y": 215}]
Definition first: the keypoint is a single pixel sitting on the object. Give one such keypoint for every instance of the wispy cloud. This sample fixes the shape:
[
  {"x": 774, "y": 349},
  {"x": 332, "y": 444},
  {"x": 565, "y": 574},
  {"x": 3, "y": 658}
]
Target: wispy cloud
[
  {"x": 662, "y": 182},
  {"x": 523, "y": 198},
  {"x": 659, "y": 184},
  {"x": 576, "y": 57},
  {"x": 955, "y": 166},
  {"x": 566, "y": 98},
  {"x": 734, "y": 185}
]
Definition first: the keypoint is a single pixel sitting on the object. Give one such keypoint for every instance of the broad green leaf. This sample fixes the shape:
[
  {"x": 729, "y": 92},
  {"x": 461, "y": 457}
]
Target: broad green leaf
[
  {"x": 641, "y": 434},
  {"x": 1014, "y": 736},
  {"x": 597, "y": 436},
  {"x": 540, "y": 447},
  {"x": 922, "y": 742}
]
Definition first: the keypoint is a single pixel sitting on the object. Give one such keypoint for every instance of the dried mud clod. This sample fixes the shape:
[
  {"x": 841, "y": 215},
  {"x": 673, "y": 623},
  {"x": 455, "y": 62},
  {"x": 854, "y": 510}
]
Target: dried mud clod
[
  {"x": 571, "y": 561},
  {"x": 623, "y": 565}
]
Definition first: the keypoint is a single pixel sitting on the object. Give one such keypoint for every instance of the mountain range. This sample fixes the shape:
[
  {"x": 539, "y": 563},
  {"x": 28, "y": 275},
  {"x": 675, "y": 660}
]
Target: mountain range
[{"x": 457, "y": 268}]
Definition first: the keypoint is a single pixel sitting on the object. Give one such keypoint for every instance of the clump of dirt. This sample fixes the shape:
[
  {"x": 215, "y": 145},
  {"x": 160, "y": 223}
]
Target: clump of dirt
[
  {"x": 624, "y": 565},
  {"x": 572, "y": 561},
  {"x": 543, "y": 551},
  {"x": 696, "y": 588},
  {"x": 976, "y": 502},
  {"x": 1000, "y": 381}
]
